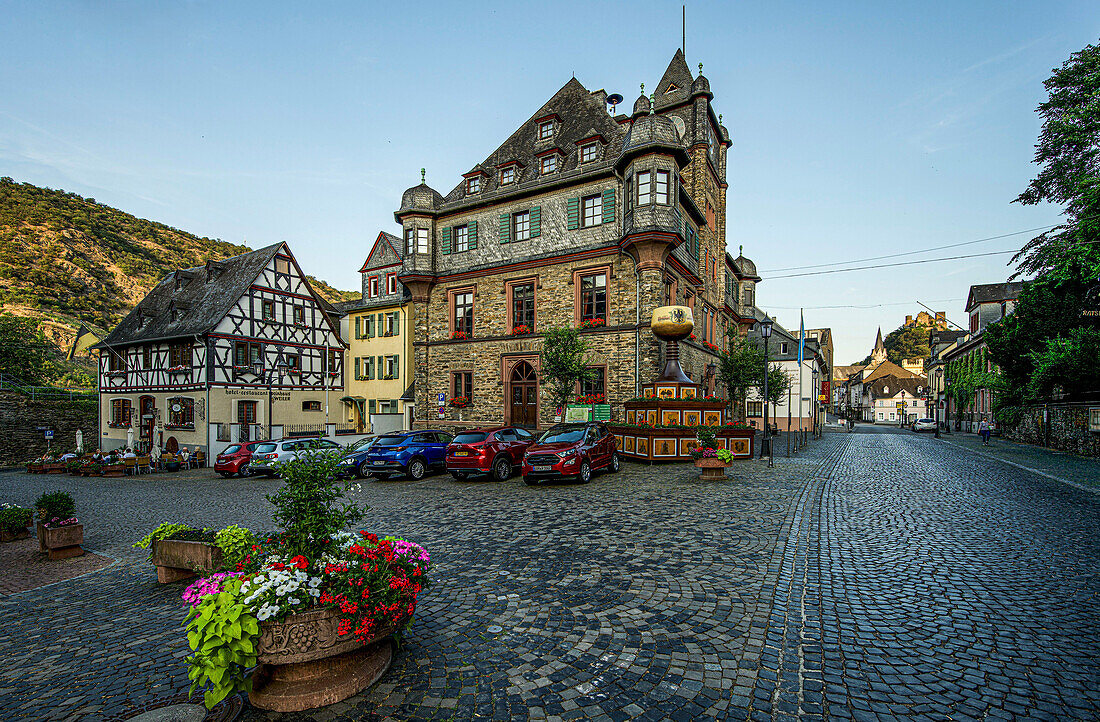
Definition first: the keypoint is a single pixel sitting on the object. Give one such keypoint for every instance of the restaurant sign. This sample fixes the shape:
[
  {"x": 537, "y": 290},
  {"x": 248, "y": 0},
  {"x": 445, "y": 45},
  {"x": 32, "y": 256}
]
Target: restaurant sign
[{"x": 1090, "y": 306}]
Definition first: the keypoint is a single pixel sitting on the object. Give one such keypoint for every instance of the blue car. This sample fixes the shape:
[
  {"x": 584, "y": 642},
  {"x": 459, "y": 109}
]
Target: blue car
[
  {"x": 413, "y": 453},
  {"x": 355, "y": 463}
]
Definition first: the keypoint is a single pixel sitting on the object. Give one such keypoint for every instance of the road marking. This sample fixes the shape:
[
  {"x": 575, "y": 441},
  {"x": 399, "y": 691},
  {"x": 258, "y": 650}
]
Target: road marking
[{"x": 1079, "y": 485}]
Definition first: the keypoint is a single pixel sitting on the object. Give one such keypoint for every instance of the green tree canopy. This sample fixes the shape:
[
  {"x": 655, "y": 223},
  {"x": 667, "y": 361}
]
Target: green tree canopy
[
  {"x": 903, "y": 343},
  {"x": 563, "y": 363},
  {"x": 740, "y": 367},
  {"x": 779, "y": 382}
]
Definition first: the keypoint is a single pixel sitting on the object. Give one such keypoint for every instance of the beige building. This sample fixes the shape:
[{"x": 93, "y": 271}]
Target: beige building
[
  {"x": 235, "y": 350},
  {"x": 379, "y": 374}
]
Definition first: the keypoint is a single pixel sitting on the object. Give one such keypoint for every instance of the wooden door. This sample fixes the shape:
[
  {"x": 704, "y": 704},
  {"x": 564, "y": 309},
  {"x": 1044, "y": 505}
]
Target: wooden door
[
  {"x": 525, "y": 396},
  {"x": 246, "y": 416},
  {"x": 148, "y": 417}
]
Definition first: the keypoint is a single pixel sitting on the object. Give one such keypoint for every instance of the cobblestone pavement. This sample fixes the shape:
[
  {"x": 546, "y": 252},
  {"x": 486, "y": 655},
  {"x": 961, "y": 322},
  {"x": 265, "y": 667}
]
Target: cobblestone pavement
[{"x": 872, "y": 576}]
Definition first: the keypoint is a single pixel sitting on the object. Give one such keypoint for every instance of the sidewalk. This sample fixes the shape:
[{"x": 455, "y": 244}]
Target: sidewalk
[{"x": 1058, "y": 465}]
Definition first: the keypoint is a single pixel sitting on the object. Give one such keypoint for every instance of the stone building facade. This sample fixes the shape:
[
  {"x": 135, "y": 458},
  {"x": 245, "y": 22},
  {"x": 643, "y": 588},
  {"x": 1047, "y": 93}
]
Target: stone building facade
[{"x": 584, "y": 219}]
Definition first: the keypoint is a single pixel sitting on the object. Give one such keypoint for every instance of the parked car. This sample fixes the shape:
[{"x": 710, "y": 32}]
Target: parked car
[
  {"x": 235, "y": 459},
  {"x": 413, "y": 453},
  {"x": 268, "y": 454},
  {"x": 496, "y": 451},
  {"x": 355, "y": 461},
  {"x": 923, "y": 425},
  {"x": 570, "y": 451}
]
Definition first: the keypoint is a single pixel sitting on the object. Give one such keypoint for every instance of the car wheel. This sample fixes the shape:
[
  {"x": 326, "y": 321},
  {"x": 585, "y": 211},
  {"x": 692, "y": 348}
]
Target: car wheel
[
  {"x": 417, "y": 469},
  {"x": 616, "y": 463},
  {"x": 502, "y": 469},
  {"x": 586, "y": 473},
  {"x": 244, "y": 471},
  {"x": 459, "y": 475},
  {"x": 529, "y": 481},
  {"x": 361, "y": 472}
]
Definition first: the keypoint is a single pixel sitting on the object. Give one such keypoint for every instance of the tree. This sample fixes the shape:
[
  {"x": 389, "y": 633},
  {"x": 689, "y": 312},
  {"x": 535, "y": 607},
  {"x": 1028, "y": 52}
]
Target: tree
[
  {"x": 907, "y": 342},
  {"x": 24, "y": 351},
  {"x": 740, "y": 367},
  {"x": 779, "y": 382},
  {"x": 1068, "y": 153},
  {"x": 563, "y": 364}
]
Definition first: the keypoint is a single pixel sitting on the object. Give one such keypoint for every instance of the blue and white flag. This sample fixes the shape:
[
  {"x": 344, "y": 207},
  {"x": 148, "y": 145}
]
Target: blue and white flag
[{"x": 801, "y": 336}]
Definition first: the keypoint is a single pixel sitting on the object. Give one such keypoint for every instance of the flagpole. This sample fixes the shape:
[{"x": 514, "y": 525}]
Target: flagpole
[{"x": 801, "y": 335}]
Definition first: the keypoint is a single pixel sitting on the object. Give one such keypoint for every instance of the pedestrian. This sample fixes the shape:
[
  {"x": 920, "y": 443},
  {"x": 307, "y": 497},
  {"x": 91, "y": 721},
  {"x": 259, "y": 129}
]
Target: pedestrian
[{"x": 983, "y": 431}]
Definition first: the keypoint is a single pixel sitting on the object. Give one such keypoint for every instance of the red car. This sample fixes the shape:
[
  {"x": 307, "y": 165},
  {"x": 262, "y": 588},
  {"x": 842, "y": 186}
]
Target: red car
[
  {"x": 571, "y": 451},
  {"x": 235, "y": 459},
  {"x": 497, "y": 451}
]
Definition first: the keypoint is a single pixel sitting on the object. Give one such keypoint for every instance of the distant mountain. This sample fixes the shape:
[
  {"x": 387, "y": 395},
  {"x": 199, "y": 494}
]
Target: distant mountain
[{"x": 66, "y": 259}]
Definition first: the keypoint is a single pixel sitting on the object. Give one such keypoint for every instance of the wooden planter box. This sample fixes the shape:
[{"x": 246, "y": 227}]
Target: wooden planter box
[
  {"x": 303, "y": 663},
  {"x": 62, "y": 542},
  {"x": 54, "y": 468},
  {"x": 114, "y": 469},
  {"x": 10, "y": 535},
  {"x": 178, "y": 559},
  {"x": 712, "y": 468},
  {"x": 34, "y": 468}
]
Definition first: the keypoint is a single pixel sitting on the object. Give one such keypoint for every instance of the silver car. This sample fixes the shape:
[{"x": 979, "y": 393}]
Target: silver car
[
  {"x": 266, "y": 456},
  {"x": 924, "y": 425}
]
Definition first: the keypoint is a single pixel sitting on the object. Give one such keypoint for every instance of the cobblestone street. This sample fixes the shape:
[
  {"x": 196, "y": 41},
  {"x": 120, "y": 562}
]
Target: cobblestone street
[{"x": 873, "y": 576}]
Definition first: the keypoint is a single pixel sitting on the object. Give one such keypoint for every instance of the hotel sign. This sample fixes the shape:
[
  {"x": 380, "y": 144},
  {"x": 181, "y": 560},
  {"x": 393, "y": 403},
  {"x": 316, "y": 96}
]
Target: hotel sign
[{"x": 1090, "y": 306}]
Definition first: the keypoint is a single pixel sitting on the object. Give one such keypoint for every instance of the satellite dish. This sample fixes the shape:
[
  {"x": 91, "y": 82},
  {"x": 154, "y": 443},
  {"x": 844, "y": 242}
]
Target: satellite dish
[{"x": 613, "y": 100}]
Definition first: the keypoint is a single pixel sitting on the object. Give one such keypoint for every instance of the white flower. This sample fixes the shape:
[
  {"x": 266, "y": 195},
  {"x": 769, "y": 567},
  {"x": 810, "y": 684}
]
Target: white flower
[
  {"x": 314, "y": 592},
  {"x": 315, "y": 581},
  {"x": 295, "y": 600}
]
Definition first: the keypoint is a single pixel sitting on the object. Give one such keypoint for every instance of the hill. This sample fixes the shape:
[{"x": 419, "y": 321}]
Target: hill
[
  {"x": 66, "y": 259},
  {"x": 905, "y": 342}
]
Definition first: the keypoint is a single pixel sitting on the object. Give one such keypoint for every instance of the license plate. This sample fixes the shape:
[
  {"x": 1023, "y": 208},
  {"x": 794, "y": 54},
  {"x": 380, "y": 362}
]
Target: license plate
[
  {"x": 379, "y": 463},
  {"x": 540, "y": 468},
  {"x": 462, "y": 453}
]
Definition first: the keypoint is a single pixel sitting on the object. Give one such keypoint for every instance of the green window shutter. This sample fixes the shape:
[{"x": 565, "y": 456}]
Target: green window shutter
[
  {"x": 358, "y": 325},
  {"x": 396, "y": 365},
  {"x": 472, "y": 235},
  {"x": 381, "y": 324},
  {"x": 446, "y": 241},
  {"x": 505, "y": 227},
  {"x": 609, "y": 205},
  {"x": 370, "y": 367},
  {"x": 396, "y": 323},
  {"x": 536, "y": 221},
  {"x": 381, "y": 367},
  {"x": 358, "y": 368},
  {"x": 573, "y": 213},
  {"x": 370, "y": 406}
]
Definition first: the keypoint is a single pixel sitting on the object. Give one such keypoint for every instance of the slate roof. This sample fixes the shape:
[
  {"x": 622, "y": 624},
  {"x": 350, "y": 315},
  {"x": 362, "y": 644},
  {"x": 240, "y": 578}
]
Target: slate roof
[
  {"x": 889, "y": 368},
  {"x": 896, "y": 385},
  {"x": 677, "y": 73},
  {"x": 200, "y": 305},
  {"x": 581, "y": 113},
  {"x": 394, "y": 243},
  {"x": 993, "y": 293}
]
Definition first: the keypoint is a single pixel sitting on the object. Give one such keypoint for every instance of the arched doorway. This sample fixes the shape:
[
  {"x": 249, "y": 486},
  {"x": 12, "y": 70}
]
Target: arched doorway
[
  {"x": 147, "y": 419},
  {"x": 524, "y": 396}
]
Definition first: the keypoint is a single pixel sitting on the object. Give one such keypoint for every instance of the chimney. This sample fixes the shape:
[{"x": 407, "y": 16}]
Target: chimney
[{"x": 600, "y": 95}]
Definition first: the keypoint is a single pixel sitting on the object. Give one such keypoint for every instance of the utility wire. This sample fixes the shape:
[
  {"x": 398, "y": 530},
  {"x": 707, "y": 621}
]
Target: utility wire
[
  {"x": 893, "y": 265},
  {"x": 866, "y": 306}
]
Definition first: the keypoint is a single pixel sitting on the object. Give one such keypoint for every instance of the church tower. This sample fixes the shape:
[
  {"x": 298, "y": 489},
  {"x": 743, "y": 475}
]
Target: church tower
[{"x": 878, "y": 355}]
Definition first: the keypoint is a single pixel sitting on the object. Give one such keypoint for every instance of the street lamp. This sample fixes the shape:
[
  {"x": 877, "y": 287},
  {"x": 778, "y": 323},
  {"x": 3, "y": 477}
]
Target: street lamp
[
  {"x": 766, "y": 333},
  {"x": 258, "y": 369}
]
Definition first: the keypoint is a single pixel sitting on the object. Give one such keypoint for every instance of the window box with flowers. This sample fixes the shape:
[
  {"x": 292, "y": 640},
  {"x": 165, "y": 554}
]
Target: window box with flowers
[
  {"x": 590, "y": 399},
  {"x": 117, "y": 425},
  {"x": 460, "y": 402},
  {"x": 116, "y": 374},
  {"x": 592, "y": 323},
  {"x": 178, "y": 369},
  {"x": 460, "y": 336},
  {"x": 521, "y": 330}
]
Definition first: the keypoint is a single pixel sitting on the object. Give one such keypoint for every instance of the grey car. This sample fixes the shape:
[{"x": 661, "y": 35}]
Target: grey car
[{"x": 266, "y": 456}]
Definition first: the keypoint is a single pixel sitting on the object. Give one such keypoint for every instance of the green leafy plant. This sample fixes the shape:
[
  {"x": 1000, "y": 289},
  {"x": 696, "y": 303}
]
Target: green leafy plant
[
  {"x": 706, "y": 436},
  {"x": 14, "y": 518},
  {"x": 163, "y": 531},
  {"x": 724, "y": 456},
  {"x": 310, "y": 505},
  {"x": 57, "y": 504},
  {"x": 221, "y": 632},
  {"x": 562, "y": 362},
  {"x": 235, "y": 542}
]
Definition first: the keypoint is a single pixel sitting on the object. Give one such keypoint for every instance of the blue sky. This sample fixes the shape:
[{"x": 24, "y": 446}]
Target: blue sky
[{"x": 859, "y": 129}]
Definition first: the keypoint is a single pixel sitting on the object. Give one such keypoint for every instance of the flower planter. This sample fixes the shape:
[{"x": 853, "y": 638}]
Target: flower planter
[
  {"x": 10, "y": 535},
  {"x": 302, "y": 663},
  {"x": 114, "y": 470},
  {"x": 34, "y": 468},
  {"x": 62, "y": 542},
  {"x": 177, "y": 559},
  {"x": 712, "y": 468},
  {"x": 54, "y": 468}
]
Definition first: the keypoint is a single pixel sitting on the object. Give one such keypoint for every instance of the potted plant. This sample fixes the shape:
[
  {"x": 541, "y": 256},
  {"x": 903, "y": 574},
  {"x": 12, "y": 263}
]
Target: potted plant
[
  {"x": 460, "y": 402},
  {"x": 521, "y": 330},
  {"x": 312, "y": 608},
  {"x": 60, "y": 533},
  {"x": 179, "y": 551},
  {"x": 711, "y": 462},
  {"x": 112, "y": 465},
  {"x": 14, "y": 521}
]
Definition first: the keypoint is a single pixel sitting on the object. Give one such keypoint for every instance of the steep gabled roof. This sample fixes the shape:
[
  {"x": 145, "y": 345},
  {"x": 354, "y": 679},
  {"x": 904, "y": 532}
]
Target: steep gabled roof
[
  {"x": 210, "y": 292},
  {"x": 582, "y": 114},
  {"x": 383, "y": 241},
  {"x": 890, "y": 386},
  {"x": 677, "y": 76},
  {"x": 889, "y": 368},
  {"x": 993, "y": 293}
]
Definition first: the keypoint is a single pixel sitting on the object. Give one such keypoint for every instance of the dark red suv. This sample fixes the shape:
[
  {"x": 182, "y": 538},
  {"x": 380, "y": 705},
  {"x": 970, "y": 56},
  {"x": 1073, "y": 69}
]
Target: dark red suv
[
  {"x": 497, "y": 451},
  {"x": 235, "y": 459},
  {"x": 570, "y": 451}
]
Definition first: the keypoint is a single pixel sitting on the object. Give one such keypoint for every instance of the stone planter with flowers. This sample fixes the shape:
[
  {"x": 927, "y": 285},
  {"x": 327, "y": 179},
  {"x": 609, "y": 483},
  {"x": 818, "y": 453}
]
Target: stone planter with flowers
[
  {"x": 14, "y": 523},
  {"x": 306, "y": 618},
  {"x": 179, "y": 551},
  {"x": 60, "y": 533},
  {"x": 711, "y": 462}
]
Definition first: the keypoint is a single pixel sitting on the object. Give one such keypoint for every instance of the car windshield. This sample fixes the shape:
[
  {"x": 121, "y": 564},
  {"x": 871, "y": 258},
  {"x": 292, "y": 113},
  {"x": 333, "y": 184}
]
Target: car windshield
[
  {"x": 469, "y": 437},
  {"x": 232, "y": 449},
  {"x": 389, "y": 441},
  {"x": 562, "y": 436},
  {"x": 264, "y": 449},
  {"x": 361, "y": 445}
]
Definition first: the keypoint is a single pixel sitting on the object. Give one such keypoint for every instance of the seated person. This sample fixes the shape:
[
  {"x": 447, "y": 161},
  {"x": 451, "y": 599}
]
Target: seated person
[{"x": 129, "y": 454}]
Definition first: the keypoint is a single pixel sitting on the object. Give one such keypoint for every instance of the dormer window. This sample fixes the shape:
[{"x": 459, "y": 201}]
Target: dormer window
[
  {"x": 548, "y": 164},
  {"x": 546, "y": 130},
  {"x": 508, "y": 175},
  {"x": 282, "y": 265},
  {"x": 473, "y": 185},
  {"x": 590, "y": 152}
]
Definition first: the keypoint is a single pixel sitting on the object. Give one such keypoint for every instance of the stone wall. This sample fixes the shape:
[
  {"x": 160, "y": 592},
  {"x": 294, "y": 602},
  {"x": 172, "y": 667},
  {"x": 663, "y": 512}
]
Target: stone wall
[
  {"x": 20, "y": 418},
  {"x": 1066, "y": 428}
]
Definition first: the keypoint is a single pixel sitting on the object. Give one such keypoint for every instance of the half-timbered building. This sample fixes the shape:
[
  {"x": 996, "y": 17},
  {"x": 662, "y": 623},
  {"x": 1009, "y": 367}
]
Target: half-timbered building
[{"x": 233, "y": 350}]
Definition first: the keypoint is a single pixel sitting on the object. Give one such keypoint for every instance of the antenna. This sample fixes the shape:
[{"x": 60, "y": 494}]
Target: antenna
[
  {"x": 683, "y": 28},
  {"x": 613, "y": 100}
]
